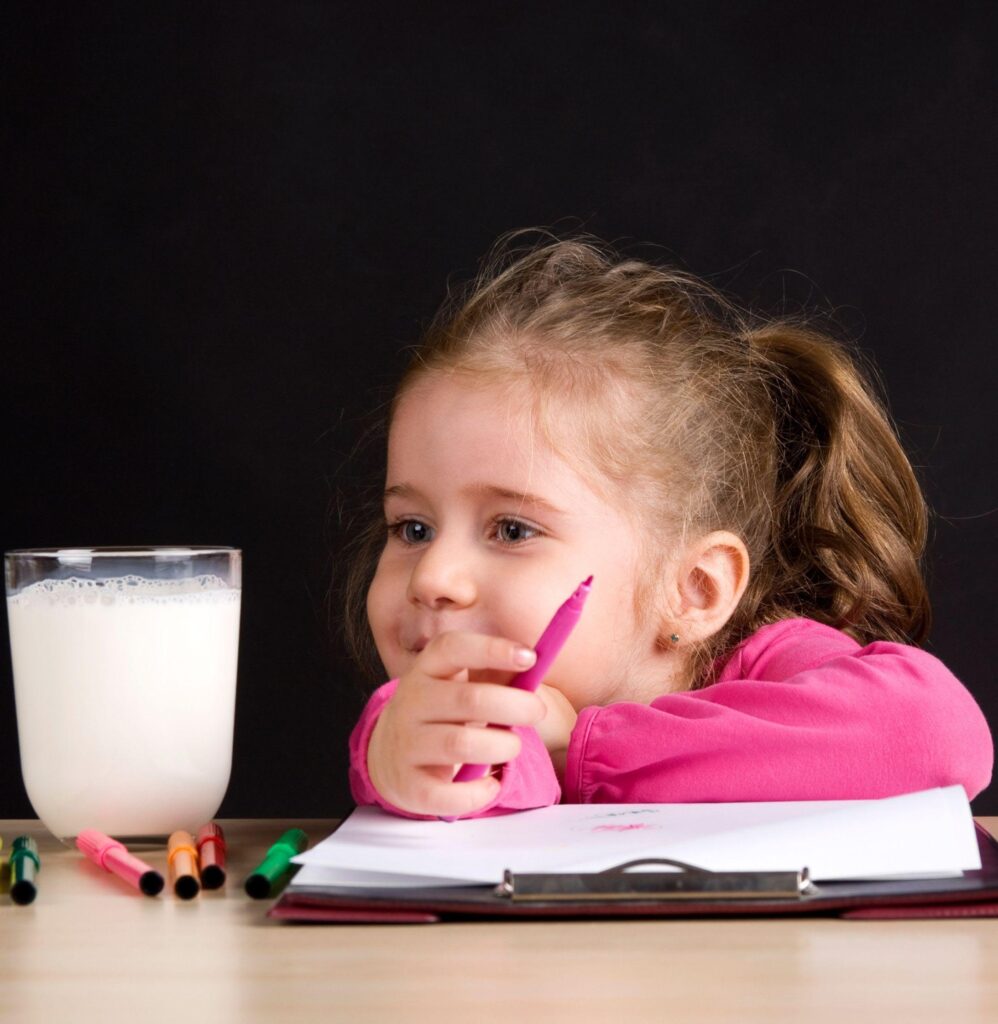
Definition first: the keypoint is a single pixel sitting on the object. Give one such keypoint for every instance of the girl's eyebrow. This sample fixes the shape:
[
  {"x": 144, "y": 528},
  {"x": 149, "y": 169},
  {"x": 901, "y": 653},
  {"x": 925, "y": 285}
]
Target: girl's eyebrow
[
  {"x": 520, "y": 497},
  {"x": 488, "y": 490},
  {"x": 401, "y": 491}
]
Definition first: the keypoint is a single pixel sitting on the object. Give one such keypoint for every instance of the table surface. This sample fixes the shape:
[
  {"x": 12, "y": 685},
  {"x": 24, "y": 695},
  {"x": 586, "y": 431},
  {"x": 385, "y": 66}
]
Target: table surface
[{"x": 90, "y": 948}]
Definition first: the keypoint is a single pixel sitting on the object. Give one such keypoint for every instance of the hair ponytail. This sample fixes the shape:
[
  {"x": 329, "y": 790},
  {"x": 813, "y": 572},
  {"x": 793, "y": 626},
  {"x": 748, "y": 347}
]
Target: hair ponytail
[{"x": 849, "y": 522}]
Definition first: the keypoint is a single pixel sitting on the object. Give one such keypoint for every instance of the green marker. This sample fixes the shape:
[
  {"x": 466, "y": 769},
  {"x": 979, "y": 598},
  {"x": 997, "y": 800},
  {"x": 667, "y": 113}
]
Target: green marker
[
  {"x": 24, "y": 865},
  {"x": 276, "y": 864}
]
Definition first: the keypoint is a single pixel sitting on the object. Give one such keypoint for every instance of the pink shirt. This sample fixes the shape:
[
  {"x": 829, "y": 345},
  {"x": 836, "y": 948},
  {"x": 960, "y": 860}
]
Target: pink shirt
[{"x": 799, "y": 712}]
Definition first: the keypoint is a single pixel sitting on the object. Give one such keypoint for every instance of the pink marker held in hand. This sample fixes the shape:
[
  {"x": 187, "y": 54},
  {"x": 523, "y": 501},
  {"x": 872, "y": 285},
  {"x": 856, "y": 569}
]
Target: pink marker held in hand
[{"x": 547, "y": 648}]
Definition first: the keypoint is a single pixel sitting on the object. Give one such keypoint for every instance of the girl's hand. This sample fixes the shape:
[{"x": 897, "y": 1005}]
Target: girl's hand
[
  {"x": 556, "y": 727},
  {"x": 434, "y": 723}
]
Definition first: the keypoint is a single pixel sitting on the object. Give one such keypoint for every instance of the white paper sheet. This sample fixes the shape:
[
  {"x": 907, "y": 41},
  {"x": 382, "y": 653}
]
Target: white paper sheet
[{"x": 930, "y": 833}]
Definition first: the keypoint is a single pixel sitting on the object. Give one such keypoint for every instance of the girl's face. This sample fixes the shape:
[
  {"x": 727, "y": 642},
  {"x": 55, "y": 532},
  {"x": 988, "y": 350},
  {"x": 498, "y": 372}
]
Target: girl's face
[{"x": 490, "y": 530}]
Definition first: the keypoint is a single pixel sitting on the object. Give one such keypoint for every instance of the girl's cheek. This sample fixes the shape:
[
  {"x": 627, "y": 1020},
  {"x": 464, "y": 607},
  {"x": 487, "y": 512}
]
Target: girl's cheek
[{"x": 379, "y": 615}]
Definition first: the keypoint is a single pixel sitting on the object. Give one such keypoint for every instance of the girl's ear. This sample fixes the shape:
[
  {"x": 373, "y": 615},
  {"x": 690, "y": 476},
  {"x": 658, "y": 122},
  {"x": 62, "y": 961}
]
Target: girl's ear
[{"x": 709, "y": 583}]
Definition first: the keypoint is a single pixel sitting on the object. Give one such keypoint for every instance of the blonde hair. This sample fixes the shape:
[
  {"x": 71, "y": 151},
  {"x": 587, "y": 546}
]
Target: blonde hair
[{"x": 707, "y": 417}]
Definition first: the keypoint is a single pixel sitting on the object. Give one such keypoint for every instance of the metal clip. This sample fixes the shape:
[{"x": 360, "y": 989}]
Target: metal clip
[{"x": 687, "y": 883}]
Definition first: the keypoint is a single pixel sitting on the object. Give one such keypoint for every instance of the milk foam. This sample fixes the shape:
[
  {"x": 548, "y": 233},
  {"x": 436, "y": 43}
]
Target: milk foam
[{"x": 124, "y": 590}]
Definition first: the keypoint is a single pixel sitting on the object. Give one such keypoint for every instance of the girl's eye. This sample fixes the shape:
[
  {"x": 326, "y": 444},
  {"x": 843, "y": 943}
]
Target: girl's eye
[
  {"x": 513, "y": 531},
  {"x": 410, "y": 531}
]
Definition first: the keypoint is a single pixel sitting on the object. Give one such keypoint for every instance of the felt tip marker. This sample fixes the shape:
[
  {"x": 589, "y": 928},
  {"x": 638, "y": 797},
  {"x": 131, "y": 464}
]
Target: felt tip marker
[
  {"x": 24, "y": 865},
  {"x": 558, "y": 630},
  {"x": 211, "y": 855},
  {"x": 182, "y": 863},
  {"x": 276, "y": 864},
  {"x": 112, "y": 856}
]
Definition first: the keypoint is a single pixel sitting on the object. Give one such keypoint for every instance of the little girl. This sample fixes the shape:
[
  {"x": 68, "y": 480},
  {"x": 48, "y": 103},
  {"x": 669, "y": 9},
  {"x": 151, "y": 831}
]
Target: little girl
[{"x": 753, "y": 530}]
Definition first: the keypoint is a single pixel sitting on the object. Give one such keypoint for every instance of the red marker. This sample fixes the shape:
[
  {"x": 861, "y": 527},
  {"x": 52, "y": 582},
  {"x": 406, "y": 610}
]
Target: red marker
[
  {"x": 112, "y": 856},
  {"x": 211, "y": 854}
]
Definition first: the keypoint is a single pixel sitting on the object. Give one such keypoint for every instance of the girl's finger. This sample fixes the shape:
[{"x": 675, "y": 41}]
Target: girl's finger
[
  {"x": 469, "y": 701},
  {"x": 450, "y": 745},
  {"x": 448, "y": 654},
  {"x": 446, "y": 800}
]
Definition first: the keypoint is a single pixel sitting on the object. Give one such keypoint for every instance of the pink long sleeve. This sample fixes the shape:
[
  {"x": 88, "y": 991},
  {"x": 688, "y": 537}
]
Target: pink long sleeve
[
  {"x": 800, "y": 712},
  {"x": 526, "y": 782}
]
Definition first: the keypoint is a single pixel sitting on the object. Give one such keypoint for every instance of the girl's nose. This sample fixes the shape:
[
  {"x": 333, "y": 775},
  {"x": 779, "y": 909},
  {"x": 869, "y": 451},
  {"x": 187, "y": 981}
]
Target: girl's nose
[{"x": 443, "y": 577}]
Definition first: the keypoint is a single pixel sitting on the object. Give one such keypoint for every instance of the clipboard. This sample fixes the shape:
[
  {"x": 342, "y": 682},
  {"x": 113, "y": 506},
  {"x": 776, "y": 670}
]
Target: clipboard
[{"x": 685, "y": 891}]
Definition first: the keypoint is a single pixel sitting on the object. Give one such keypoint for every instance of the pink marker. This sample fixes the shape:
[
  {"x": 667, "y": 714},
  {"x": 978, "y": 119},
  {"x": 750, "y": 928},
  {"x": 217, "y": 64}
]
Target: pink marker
[
  {"x": 112, "y": 856},
  {"x": 550, "y": 644}
]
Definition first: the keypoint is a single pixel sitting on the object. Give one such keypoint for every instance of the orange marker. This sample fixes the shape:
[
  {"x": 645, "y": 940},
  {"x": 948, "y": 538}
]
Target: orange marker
[
  {"x": 182, "y": 860},
  {"x": 211, "y": 853}
]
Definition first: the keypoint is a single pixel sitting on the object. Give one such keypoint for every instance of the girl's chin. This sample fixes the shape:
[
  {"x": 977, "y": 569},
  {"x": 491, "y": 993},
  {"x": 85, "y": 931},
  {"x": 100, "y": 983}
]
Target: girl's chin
[{"x": 398, "y": 665}]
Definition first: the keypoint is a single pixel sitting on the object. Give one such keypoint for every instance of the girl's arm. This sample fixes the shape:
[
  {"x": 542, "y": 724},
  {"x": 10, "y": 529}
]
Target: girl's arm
[{"x": 800, "y": 712}]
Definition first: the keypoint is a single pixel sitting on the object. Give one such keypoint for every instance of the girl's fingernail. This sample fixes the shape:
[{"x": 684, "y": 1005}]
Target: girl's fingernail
[{"x": 524, "y": 656}]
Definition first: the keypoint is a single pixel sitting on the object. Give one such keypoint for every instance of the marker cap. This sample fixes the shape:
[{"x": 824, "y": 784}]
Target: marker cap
[
  {"x": 276, "y": 864},
  {"x": 24, "y": 863},
  {"x": 211, "y": 855},
  {"x": 182, "y": 859}
]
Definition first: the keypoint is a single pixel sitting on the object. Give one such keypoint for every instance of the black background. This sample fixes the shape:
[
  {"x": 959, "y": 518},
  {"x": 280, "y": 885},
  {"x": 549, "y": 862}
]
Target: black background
[{"x": 222, "y": 223}]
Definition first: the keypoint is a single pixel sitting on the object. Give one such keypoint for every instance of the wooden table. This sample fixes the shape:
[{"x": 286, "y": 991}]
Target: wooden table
[{"x": 90, "y": 948}]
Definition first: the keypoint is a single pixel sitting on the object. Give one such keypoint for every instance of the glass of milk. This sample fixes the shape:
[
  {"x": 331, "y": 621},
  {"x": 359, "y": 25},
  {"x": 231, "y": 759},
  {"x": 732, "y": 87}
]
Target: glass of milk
[{"x": 125, "y": 684}]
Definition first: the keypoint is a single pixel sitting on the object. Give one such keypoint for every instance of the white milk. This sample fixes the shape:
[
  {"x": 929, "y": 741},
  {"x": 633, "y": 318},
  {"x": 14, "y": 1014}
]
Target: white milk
[{"x": 125, "y": 693}]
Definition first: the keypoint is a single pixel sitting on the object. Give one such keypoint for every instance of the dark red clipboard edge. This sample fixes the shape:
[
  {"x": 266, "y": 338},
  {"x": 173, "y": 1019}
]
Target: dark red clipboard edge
[{"x": 975, "y": 895}]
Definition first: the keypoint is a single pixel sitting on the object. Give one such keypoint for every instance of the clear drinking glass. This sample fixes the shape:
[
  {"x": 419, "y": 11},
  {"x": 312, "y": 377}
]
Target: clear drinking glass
[{"x": 125, "y": 684}]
